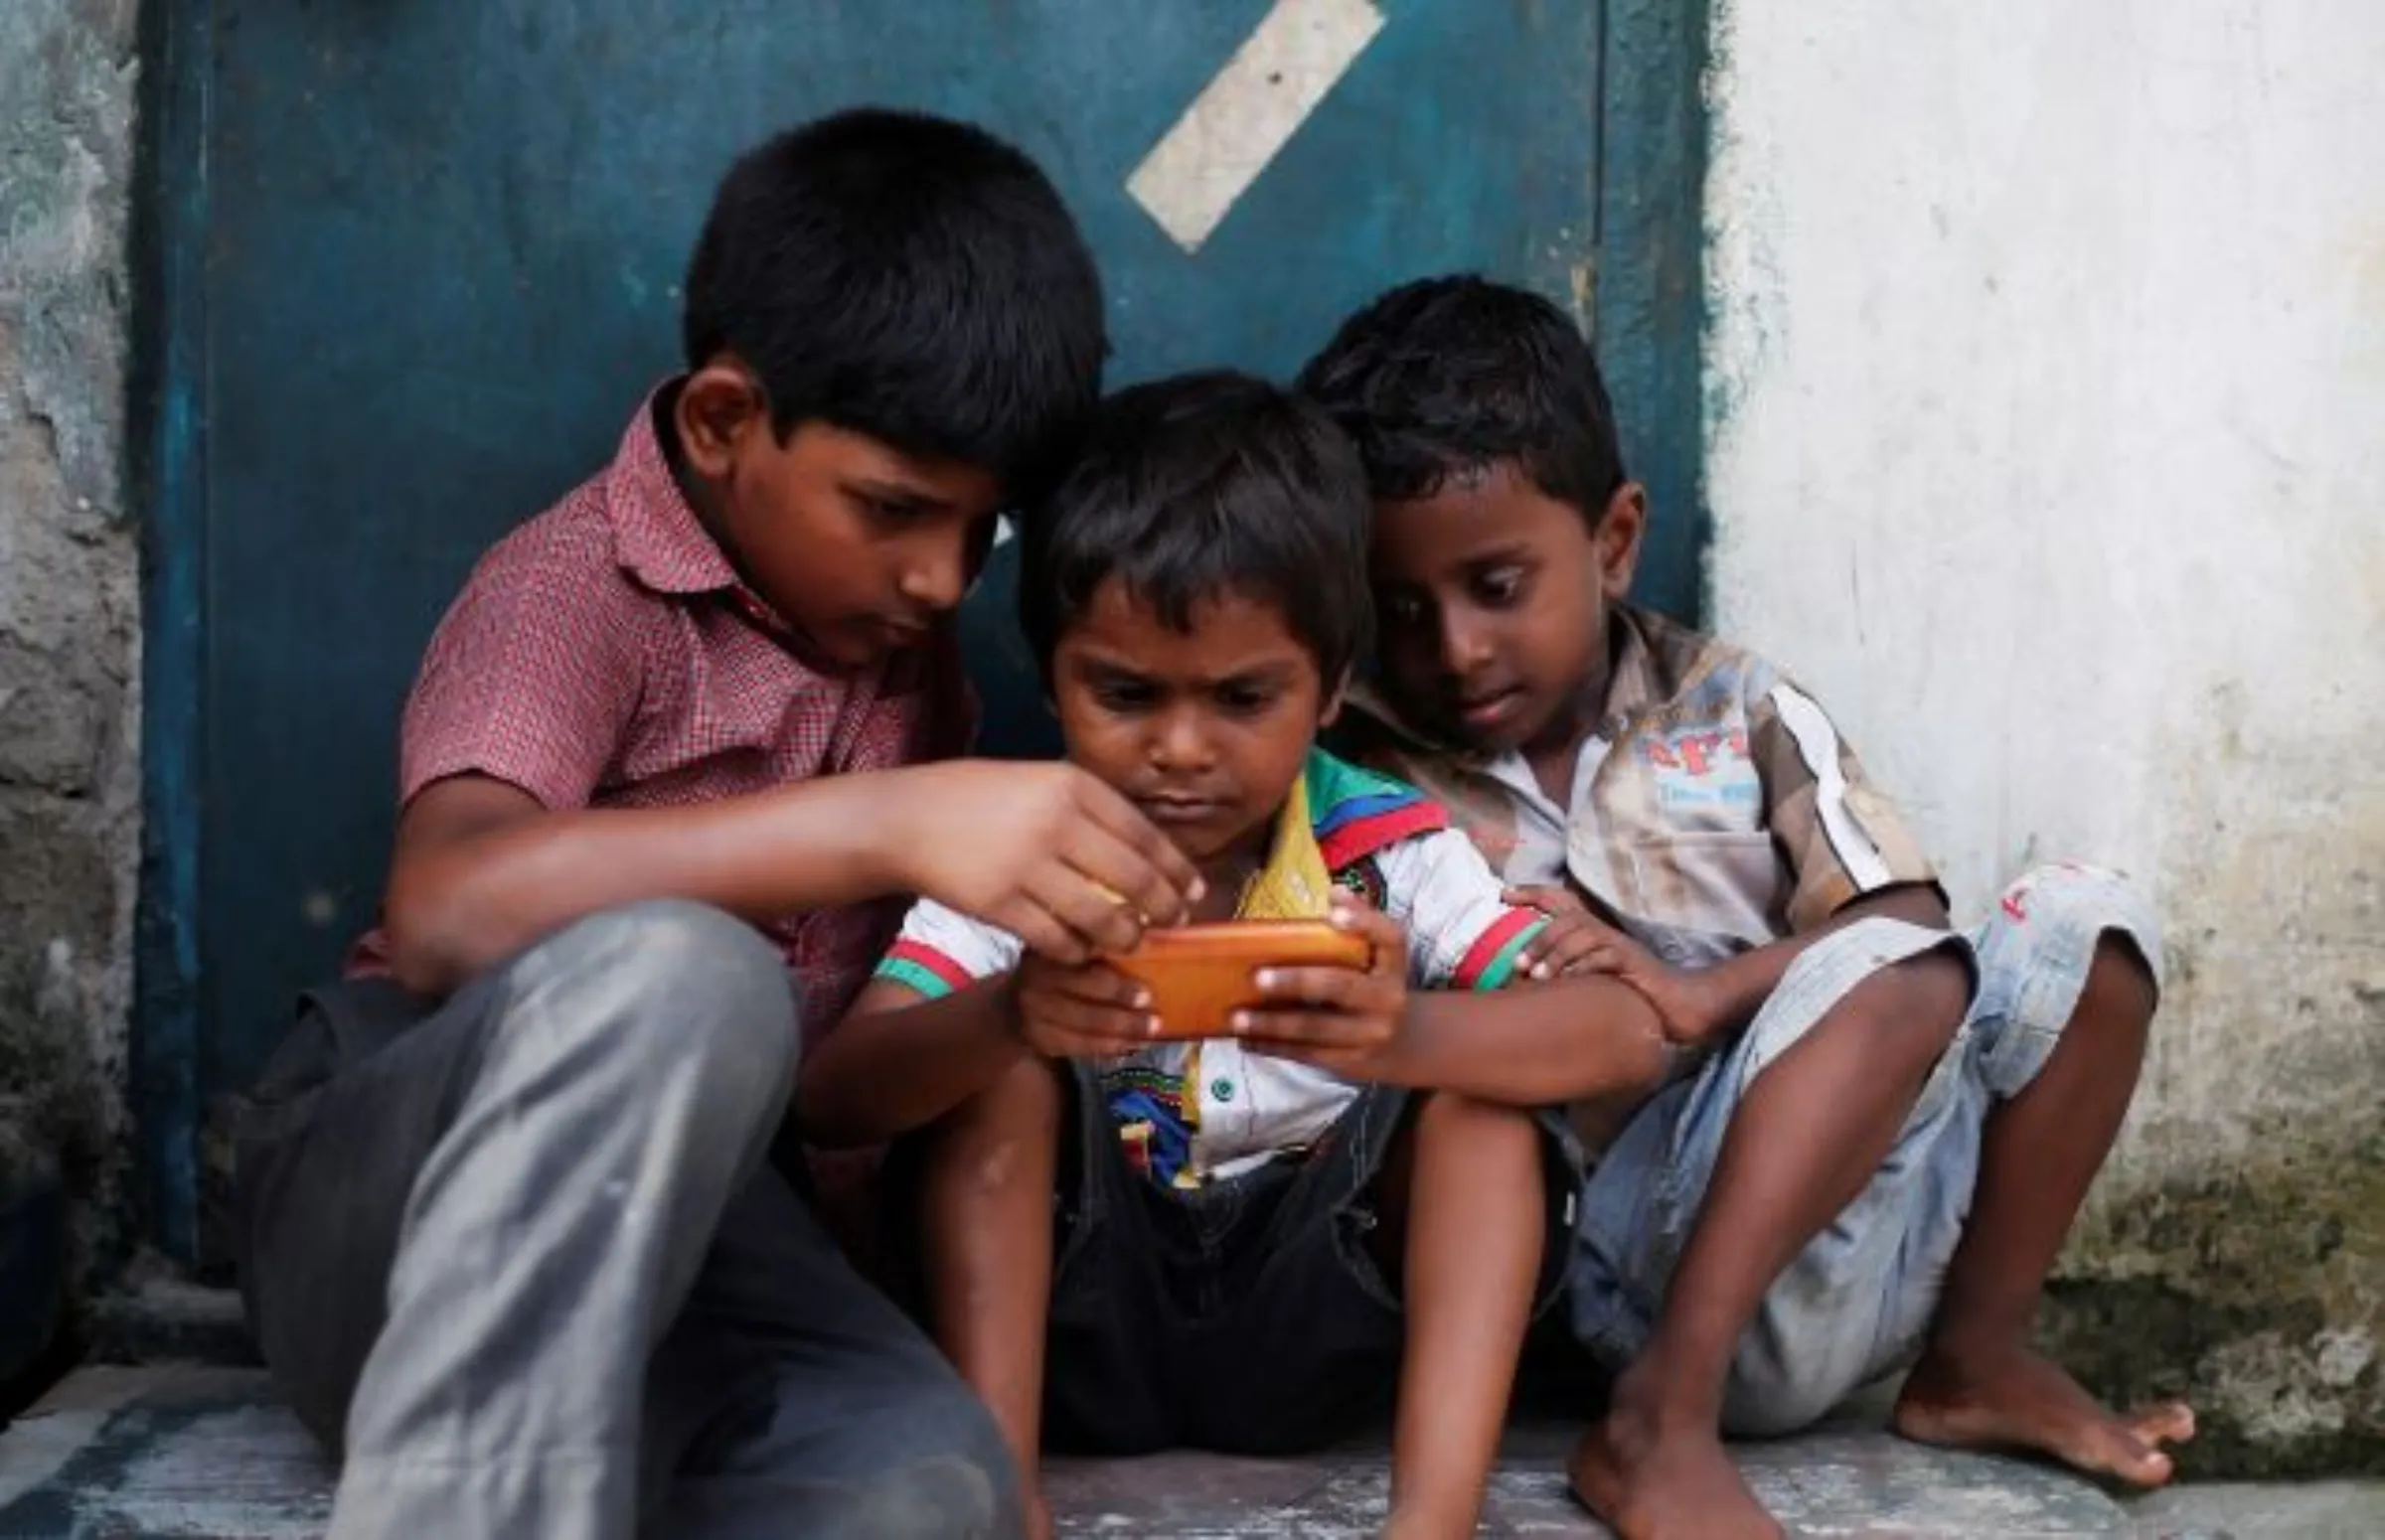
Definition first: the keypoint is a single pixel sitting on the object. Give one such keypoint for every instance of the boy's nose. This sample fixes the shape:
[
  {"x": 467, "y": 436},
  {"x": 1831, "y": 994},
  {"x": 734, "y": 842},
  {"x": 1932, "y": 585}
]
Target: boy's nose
[
  {"x": 1179, "y": 742},
  {"x": 1465, "y": 642},
  {"x": 940, "y": 577}
]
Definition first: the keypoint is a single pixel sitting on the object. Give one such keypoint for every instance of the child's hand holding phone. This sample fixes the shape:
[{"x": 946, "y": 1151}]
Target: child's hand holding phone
[
  {"x": 1197, "y": 977},
  {"x": 1341, "y": 1018},
  {"x": 1085, "y": 1010},
  {"x": 1324, "y": 992}
]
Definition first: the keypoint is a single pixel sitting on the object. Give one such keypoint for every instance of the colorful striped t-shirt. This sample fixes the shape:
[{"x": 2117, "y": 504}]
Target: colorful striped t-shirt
[{"x": 1192, "y": 1113}]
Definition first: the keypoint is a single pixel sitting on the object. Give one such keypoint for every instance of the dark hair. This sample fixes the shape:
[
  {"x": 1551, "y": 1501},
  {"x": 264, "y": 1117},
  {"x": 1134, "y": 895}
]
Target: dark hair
[
  {"x": 908, "y": 277},
  {"x": 1205, "y": 485},
  {"x": 1448, "y": 376}
]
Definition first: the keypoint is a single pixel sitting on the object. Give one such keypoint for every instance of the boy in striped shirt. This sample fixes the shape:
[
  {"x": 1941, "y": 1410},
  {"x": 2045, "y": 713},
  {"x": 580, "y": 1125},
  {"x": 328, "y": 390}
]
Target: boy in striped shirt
[
  {"x": 1877, "y": 1162},
  {"x": 1245, "y": 1243}
]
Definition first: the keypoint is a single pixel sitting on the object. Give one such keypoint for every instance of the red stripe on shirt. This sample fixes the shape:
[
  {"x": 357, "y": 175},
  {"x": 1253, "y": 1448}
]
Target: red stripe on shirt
[
  {"x": 935, "y": 962},
  {"x": 1361, "y": 838},
  {"x": 1490, "y": 943}
]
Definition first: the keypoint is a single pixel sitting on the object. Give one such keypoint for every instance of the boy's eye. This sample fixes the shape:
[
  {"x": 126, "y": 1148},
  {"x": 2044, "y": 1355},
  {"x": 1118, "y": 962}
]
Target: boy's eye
[
  {"x": 1401, "y": 611},
  {"x": 1501, "y": 586},
  {"x": 1245, "y": 699},
  {"x": 886, "y": 507},
  {"x": 1124, "y": 696}
]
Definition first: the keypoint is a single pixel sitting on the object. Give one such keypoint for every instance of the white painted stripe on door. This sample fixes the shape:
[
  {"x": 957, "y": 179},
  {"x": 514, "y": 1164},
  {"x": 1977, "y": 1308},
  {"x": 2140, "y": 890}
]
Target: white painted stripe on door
[{"x": 1248, "y": 113}]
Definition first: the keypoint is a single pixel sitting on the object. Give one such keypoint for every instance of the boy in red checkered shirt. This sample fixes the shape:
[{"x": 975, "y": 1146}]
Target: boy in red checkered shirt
[{"x": 510, "y": 1237}]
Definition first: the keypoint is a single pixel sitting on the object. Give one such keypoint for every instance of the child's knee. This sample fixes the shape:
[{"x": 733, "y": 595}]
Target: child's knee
[
  {"x": 1873, "y": 974},
  {"x": 1494, "y": 1149},
  {"x": 1921, "y": 1000},
  {"x": 1029, "y": 1094},
  {"x": 1931, "y": 993},
  {"x": 1443, "y": 1116},
  {"x": 654, "y": 1000},
  {"x": 1441, "y": 1130},
  {"x": 1012, "y": 1125},
  {"x": 1452, "y": 1128},
  {"x": 2120, "y": 987}
]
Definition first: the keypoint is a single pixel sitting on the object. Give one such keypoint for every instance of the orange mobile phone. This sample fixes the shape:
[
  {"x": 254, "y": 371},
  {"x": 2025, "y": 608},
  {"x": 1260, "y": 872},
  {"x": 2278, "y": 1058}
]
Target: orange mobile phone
[{"x": 1200, "y": 975}]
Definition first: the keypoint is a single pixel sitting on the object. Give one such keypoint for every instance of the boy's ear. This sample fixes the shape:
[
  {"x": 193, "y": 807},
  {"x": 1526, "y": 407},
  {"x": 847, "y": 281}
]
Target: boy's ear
[
  {"x": 1331, "y": 708},
  {"x": 720, "y": 406},
  {"x": 1616, "y": 538}
]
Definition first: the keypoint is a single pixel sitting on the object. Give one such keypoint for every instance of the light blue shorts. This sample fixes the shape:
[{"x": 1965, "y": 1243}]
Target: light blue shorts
[{"x": 1856, "y": 1303}]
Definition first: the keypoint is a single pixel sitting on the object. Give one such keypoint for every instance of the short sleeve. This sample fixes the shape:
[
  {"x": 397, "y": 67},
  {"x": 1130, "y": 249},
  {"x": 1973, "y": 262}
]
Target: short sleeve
[
  {"x": 941, "y": 950},
  {"x": 1841, "y": 837},
  {"x": 1461, "y": 933},
  {"x": 533, "y": 678}
]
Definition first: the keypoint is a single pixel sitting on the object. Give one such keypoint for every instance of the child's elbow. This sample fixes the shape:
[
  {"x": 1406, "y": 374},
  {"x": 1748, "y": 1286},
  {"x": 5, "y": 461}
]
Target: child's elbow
[
  {"x": 422, "y": 968},
  {"x": 1628, "y": 1055},
  {"x": 827, "y": 1107},
  {"x": 427, "y": 949},
  {"x": 820, "y": 1109}
]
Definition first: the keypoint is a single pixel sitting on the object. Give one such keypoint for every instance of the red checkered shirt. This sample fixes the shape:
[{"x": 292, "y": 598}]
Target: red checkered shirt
[{"x": 604, "y": 654}]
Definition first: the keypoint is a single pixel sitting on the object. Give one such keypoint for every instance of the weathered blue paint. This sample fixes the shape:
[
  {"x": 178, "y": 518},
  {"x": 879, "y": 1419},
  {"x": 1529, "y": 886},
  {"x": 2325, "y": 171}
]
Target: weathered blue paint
[
  {"x": 437, "y": 250},
  {"x": 1649, "y": 311},
  {"x": 170, "y": 471}
]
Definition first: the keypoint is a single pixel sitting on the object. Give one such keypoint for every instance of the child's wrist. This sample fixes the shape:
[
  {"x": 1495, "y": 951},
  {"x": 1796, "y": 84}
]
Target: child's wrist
[
  {"x": 1010, "y": 1014},
  {"x": 894, "y": 855}
]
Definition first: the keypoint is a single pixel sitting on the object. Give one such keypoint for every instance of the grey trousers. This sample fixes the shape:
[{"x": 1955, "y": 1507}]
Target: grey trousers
[{"x": 522, "y": 1260}]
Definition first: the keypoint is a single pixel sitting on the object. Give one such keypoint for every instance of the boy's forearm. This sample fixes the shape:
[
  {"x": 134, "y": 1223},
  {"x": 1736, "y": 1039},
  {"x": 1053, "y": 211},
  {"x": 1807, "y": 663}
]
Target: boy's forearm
[
  {"x": 1742, "y": 985},
  {"x": 466, "y": 895},
  {"x": 1536, "y": 1045},
  {"x": 885, "y": 1072}
]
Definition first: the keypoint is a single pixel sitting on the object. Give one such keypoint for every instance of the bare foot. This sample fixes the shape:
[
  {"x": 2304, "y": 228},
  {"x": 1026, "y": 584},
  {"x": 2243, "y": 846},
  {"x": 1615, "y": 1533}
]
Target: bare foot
[
  {"x": 2020, "y": 1400},
  {"x": 1039, "y": 1517},
  {"x": 1668, "y": 1485}
]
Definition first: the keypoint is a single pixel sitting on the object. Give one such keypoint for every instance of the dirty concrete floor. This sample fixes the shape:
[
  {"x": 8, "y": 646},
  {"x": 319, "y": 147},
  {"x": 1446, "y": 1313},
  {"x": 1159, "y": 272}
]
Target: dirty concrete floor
[{"x": 205, "y": 1454}]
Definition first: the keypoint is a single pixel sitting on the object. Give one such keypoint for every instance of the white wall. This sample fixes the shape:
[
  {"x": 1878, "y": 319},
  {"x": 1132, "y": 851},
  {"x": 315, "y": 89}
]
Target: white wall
[{"x": 2047, "y": 443}]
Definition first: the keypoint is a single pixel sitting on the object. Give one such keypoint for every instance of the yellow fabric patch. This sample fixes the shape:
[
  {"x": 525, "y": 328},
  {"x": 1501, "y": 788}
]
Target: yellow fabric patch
[{"x": 1294, "y": 884}]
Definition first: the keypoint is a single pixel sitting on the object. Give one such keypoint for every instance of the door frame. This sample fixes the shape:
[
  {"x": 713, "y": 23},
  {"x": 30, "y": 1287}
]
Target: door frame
[{"x": 1649, "y": 317}]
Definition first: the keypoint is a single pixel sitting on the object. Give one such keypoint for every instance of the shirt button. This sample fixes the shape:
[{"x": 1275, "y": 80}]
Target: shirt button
[{"x": 1221, "y": 1089}]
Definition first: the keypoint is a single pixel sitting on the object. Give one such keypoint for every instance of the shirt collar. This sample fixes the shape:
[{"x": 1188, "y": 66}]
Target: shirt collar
[
  {"x": 1633, "y": 688},
  {"x": 657, "y": 537}
]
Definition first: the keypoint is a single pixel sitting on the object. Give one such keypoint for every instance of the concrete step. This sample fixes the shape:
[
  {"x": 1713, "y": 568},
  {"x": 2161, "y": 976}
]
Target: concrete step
[{"x": 205, "y": 1452}]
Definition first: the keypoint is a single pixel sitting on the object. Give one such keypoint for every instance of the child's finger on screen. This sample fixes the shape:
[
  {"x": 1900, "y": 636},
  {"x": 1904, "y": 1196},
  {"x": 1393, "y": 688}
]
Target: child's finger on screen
[
  {"x": 1089, "y": 909},
  {"x": 1169, "y": 881},
  {"x": 1121, "y": 875},
  {"x": 1042, "y": 932}
]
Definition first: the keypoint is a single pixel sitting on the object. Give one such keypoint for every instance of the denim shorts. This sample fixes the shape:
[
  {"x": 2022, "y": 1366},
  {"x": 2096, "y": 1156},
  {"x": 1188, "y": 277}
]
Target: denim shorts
[{"x": 1856, "y": 1303}]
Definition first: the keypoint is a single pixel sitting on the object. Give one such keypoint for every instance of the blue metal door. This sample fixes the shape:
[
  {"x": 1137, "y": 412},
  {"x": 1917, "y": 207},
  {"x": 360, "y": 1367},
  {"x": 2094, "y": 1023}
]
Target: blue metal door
[{"x": 417, "y": 263}]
